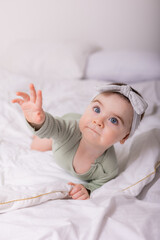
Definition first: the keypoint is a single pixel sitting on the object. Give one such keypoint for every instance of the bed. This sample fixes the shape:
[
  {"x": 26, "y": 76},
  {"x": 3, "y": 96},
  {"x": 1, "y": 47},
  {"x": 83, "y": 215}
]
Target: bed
[{"x": 34, "y": 202}]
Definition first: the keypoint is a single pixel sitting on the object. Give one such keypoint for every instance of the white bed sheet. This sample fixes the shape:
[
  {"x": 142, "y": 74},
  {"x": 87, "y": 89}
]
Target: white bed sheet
[{"x": 107, "y": 215}]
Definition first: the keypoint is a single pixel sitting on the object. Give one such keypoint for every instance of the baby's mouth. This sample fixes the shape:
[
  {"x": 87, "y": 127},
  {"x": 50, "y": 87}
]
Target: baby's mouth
[{"x": 92, "y": 129}]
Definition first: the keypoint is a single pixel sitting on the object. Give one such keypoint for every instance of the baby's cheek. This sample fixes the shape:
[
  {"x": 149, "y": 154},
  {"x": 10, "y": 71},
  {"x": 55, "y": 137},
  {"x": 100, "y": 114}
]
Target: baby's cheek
[
  {"x": 124, "y": 132},
  {"x": 110, "y": 137},
  {"x": 81, "y": 123}
]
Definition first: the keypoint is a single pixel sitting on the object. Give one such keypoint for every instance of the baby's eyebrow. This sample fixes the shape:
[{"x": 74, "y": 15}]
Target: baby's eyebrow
[{"x": 96, "y": 100}]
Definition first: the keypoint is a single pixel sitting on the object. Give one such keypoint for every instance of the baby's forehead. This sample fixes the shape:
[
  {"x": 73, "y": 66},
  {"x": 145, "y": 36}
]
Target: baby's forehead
[{"x": 114, "y": 95}]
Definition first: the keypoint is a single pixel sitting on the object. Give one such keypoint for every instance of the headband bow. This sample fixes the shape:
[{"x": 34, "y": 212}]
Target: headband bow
[{"x": 138, "y": 103}]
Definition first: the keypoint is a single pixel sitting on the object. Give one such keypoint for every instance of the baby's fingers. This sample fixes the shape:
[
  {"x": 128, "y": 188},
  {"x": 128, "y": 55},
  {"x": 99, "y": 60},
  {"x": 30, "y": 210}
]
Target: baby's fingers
[
  {"x": 78, "y": 192},
  {"x": 32, "y": 93},
  {"x": 83, "y": 197},
  {"x": 39, "y": 99},
  {"x": 78, "y": 195},
  {"x": 24, "y": 95},
  {"x": 18, "y": 100}
]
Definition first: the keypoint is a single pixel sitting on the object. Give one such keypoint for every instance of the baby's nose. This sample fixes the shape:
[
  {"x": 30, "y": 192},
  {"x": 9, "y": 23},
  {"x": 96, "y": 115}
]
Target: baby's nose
[{"x": 98, "y": 122}]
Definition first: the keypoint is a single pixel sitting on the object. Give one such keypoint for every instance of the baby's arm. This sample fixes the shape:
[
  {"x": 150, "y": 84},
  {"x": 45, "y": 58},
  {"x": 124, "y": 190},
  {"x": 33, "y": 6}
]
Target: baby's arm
[
  {"x": 41, "y": 144},
  {"x": 31, "y": 106}
]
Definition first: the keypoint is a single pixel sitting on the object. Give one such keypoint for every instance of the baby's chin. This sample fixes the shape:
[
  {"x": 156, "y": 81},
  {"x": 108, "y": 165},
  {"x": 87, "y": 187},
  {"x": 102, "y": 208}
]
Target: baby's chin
[{"x": 94, "y": 139}]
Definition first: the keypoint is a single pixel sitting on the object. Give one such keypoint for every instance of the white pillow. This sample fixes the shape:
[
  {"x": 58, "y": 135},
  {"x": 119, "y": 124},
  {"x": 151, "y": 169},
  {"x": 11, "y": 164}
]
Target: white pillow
[
  {"x": 46, "y": 59},
  {"x": 123, "y": 66}
]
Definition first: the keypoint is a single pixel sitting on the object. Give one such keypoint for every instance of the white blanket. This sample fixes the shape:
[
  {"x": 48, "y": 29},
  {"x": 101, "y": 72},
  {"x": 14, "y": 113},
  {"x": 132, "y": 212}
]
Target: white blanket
[{"x": 28, "y": 179}]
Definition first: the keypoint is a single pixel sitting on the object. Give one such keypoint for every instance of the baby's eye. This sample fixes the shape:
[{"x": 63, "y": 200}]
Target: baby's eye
[
  {"x": 96, "y": 109},
  {"x": 113, "y": 120}
]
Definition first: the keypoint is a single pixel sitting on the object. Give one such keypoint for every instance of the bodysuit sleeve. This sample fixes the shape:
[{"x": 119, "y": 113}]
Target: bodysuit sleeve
[{"x": 56, "y": 128}]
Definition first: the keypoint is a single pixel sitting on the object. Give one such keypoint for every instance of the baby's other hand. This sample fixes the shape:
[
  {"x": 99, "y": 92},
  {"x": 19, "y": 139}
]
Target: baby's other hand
[{"x": 78, "y": 192}]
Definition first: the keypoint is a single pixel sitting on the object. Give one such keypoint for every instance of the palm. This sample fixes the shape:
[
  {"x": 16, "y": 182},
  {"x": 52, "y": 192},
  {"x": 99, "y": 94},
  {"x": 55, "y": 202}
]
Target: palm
[{"x": 31, "y": 111}]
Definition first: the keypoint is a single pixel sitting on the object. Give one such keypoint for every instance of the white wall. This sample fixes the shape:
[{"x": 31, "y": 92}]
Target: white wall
[{"x": 114, "y": 24}]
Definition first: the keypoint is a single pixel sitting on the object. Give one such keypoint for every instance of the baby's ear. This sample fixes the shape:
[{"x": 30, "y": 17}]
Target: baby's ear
[{"x": 124, "y": 139}]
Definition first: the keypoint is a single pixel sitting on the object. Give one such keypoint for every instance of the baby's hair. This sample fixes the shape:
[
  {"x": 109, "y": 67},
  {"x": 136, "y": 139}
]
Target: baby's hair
[{"x": 124, "y": 84}]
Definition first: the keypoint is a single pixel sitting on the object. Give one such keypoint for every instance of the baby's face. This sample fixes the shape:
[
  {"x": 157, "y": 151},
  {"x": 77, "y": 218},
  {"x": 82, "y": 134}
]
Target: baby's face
[{"x": 106, "y": 120}]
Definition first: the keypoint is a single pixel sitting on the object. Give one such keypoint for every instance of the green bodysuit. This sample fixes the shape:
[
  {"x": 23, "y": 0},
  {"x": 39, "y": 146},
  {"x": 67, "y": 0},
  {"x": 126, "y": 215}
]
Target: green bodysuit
[{"x": 66, "y": 138}]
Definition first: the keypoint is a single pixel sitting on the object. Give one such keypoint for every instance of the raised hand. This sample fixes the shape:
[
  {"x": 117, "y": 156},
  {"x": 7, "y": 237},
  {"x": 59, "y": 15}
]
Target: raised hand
[
  {"x": 78, "y": 192},
  {"x": 31, "y": 106}
]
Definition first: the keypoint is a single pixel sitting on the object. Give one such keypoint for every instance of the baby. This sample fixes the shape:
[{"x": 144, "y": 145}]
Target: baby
[{"x": 83, "y": 145}]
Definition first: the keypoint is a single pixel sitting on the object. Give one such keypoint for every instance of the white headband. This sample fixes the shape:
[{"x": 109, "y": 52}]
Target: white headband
[{"x": 138, "y": 103}]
